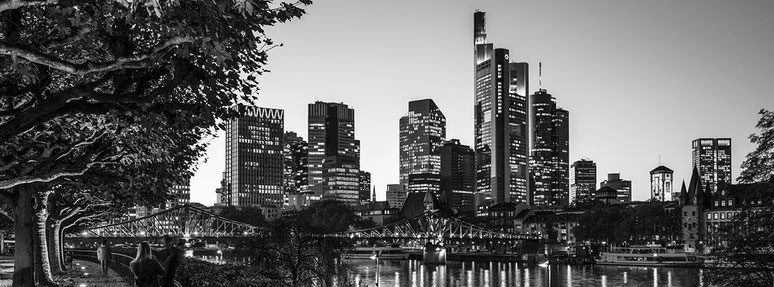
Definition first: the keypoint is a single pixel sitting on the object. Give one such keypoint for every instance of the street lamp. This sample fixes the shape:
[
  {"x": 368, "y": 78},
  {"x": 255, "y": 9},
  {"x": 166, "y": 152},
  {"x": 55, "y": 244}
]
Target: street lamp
[{"x": 375, "y": 256}]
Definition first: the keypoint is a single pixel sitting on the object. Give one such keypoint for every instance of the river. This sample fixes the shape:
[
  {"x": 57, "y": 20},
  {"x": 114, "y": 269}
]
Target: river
[{"x": 416, "y": 273}]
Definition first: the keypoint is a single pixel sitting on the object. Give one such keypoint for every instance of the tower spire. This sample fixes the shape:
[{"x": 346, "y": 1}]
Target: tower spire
[
  {"x": 373, "y": 197},
  {"x": 540, "y": 76}
]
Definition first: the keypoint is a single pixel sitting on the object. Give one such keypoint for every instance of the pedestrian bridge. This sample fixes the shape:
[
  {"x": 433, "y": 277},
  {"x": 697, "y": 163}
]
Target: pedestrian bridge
[
  {"x": 435, "y": 226},
  {"x": 184, "y": 221}
]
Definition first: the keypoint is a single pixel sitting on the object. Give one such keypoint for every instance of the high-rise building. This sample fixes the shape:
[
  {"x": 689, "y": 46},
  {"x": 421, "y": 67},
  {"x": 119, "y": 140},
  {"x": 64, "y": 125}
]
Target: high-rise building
[
  {"x": 622, "y": 187},
  {"x": 550, "y": 153},
  {"x": 396, "y": 195},
  {"x": 181, "y": 193},
  {"x": 501, "y": 122},
  {"x": 712, "y": 158},
  {"x": 254, "y": 158},
  {"x": 422, "y": 132},
  {"x": 334, "y": 153},
  {"x": 661, "y": 184},
  {"x": 296, "y": 164},
  {"x": 583, "y": 181},
  {"x": 458, "y": 175},
  {"x": 365, "y": 187}
]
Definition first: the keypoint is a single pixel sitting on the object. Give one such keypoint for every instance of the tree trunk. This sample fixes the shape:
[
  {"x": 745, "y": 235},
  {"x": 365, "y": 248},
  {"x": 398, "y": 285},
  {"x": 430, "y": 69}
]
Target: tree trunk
[
  {"x": 54, "y": 248},
  {"x": 23, "y": 274},
  {"x": 43, "y": 269}
]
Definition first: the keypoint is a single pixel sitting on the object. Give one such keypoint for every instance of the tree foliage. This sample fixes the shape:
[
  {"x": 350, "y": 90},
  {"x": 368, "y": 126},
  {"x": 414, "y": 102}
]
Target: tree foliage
[
  {"x": 758, "y": 166},
  {"x": 639, "y": 224},
  {"x": 249, "y": 214}
]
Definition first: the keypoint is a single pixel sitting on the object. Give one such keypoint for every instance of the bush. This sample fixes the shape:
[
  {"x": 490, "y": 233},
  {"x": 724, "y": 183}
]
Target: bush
[{"x": 194, "y": 272}]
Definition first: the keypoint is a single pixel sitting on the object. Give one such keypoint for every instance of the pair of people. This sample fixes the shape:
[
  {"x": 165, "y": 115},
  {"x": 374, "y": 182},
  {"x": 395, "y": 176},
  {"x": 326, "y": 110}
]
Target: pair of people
[{"x": 149, "y": 272}]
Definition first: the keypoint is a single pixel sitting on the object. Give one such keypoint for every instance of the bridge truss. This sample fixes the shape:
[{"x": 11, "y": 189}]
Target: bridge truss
[
  {"x": 180, "y": 221},
  {"x": 433, "y": 226}
]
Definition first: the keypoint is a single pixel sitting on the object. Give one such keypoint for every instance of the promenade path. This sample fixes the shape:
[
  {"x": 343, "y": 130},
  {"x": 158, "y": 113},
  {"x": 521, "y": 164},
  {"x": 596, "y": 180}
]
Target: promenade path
[{"x": 89, "y": 275}]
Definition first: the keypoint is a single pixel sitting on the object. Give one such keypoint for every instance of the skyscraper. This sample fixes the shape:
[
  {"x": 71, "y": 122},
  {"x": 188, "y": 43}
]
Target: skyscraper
[
  {"x": 365, "y": 187},
  {"x": 458, "y": 172},
  {"x": 334, "y": 153},
  {"x": 254, "y": 158},
  {"x": 712, "y": 158},
  {"x": 396, "y": 195},
  {"x": 422, "y": 132},
  {"x": 181, "y": 193},
  {"x": 661, "y": 184},
  {"x": 296, "y": 164},
  {"x": 583, "y": 181},
  {"x": 501, "y": 122},
  {"x": 550, "y": 153},
  {"x": 622, "y": 187}
]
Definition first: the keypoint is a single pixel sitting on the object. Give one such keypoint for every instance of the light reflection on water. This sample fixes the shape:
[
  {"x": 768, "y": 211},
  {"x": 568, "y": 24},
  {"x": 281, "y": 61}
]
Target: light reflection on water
[{"x": 416, "y": 273}]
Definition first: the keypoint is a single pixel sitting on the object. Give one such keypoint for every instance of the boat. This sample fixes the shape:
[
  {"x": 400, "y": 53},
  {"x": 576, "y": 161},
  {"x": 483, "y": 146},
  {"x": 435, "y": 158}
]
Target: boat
[
  {"x": 387, "y": 253},
  {"x": 650, "y": 256}
]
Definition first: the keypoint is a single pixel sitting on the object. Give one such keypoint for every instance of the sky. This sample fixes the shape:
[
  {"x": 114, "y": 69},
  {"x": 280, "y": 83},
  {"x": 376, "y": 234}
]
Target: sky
[{"x": 641, "y": 79}]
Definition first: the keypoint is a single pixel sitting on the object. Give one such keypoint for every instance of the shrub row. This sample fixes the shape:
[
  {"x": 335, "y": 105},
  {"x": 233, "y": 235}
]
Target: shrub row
[{"x": 194, "y": 272}]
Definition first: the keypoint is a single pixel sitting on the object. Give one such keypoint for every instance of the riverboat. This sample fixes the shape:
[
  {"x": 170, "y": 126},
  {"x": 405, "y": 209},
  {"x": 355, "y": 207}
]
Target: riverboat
[
  {"x": 388, "y": 253},
  {"x": 651, "y": 256}
]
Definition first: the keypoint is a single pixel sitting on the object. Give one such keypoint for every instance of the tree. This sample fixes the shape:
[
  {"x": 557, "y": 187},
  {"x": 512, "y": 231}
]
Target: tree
[
  {"x": 77, "y": 75},
  {"x": 746, "y": 257},
  {"x": 292, "y": 253},
  {"x": 249, "y": 214},
  {"x": 758, "y": 166},
  {"x": 330, "y": 216}
]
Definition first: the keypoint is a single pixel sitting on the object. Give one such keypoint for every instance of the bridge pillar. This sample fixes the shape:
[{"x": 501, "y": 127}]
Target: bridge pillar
[{"x": 434, "y": 253}]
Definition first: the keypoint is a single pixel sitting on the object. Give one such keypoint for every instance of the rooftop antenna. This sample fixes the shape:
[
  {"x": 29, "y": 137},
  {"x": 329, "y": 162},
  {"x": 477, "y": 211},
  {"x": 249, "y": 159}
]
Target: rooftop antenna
[
  {"x": 540, "y": 75},
  {"x": 659, "y": 159}
]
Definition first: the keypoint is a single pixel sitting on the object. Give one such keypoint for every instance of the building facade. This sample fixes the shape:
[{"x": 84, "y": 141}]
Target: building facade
[
  {"x": 365, "y": 187},
  {"x": 422, "y": 133},
  {"x": 333, "y": 152},
  {"x": 661, "y": 184},
  {"x": 296, "y": 164},
  {"x": 458, "y": 176},
  {"x": 550, "y": 153},
  {"x": 501, "y": 122},
  {"x": 622, "y": 187},
  {"x": 181, "y": 193},
  {"x": 254, "y": 158},
  {"x": 396, "y": 195},
  {"x": 712, "y": 158},
  {"x": 583, "y": 181}
]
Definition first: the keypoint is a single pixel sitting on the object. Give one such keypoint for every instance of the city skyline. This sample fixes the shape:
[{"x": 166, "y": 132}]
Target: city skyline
[{"x": 612, "y": 136}]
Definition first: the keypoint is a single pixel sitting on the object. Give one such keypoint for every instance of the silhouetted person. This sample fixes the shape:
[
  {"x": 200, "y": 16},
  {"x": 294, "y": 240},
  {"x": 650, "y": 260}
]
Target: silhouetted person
[
  {"x": 103, "y": 255},
  {"x": 145, "y": 268},
  {"x": 170, "y": 256}
]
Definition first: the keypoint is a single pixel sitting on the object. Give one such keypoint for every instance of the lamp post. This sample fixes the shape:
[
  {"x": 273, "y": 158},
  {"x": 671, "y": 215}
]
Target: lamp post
[{"x": 375, "y": 256}]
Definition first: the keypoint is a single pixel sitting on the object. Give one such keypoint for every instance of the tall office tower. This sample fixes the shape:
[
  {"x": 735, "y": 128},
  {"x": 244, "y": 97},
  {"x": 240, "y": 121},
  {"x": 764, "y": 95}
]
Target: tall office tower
[
  {"x": 295, "y": 160},
  {"x": 422, "y": 132},
  {"x": 181, "y": 193},
  {"x": 396, "y": 195},
  {"x": 661, "y": 184},
  {"x": 501, "y": 122},
  {"x": 712, "y": 157},
  {"x": 458, "y": 175},
  {"x": 254, "y": 159},
  {"x": 583, "y": 181},
  {"x": 334, "y": 153},
  {"x": 365, "y": 187},
  {"x": 622, "y": 187},
  {"x": 550, "y": 153}
]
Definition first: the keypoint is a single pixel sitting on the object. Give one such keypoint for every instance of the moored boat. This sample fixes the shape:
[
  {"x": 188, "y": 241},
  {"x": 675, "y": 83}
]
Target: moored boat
[
  {"x": 388, "y": 253},
  {"x": 652, "y": 256}
]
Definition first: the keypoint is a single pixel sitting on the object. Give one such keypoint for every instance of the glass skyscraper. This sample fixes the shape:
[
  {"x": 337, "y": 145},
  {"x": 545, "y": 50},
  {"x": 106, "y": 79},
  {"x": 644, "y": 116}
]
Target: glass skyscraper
[
  {"x": 501, "y": 122},
  {"x": 422, "y": 133},
  {"x": 712, "y": 158},
  {"x": 254, "y": 158},
  {"x": 550, "y": 153},
  {"x": 334, "y": 153}
]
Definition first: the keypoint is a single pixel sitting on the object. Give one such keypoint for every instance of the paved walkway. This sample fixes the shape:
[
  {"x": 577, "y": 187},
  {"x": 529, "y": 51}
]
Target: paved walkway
[{"x": 89, "y": 274}]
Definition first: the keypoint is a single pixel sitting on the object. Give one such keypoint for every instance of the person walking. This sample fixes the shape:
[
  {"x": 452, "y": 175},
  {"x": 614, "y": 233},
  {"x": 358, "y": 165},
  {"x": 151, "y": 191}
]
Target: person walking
[
  {"x": 103, "y": 255},
  {"x": 145, "y": 268},
  {"x": 170, "y": 257}
]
